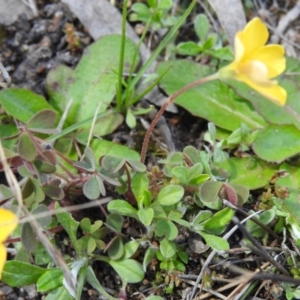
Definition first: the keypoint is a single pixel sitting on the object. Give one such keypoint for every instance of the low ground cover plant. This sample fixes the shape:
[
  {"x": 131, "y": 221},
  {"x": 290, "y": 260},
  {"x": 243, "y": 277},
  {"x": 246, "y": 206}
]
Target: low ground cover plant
[{"x": 58, "y": 162}]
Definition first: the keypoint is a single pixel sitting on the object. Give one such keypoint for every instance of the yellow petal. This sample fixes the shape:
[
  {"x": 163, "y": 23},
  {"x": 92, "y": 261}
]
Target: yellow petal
[
  {"x": 271, "y": 91},
  {"x": 255, "y": 71},
  {"x": 254, "y": 36},
  {"x": 272, "y": 57},
  {"x": 8, "y": 223},
  {"x": 2, "y": 258}
]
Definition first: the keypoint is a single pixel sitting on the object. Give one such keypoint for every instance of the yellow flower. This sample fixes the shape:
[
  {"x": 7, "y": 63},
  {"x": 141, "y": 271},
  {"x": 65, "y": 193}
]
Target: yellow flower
[
  {"x": 8, "y": 223},
  {"x": 256, "y": 63}
]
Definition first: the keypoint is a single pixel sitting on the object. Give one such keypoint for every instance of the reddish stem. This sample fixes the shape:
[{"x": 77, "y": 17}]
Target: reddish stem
[{"x": 163, "y": 108}]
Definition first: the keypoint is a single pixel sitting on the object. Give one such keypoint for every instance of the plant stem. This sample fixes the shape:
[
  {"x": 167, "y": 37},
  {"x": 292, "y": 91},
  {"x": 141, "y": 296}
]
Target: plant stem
[
  {"x": 122, "y": 53},
  {"x": 169, "y": 101}
]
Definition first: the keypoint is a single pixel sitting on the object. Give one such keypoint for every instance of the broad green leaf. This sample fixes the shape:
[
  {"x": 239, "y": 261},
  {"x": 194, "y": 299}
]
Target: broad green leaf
[
  {"x": 22, "y": 104},
  {"x": 103, "y": 147},
  {"x": 213, "y": 101},
  {"x": 94, "y": 80},
  {"x": 130, "y": 249},
  {"x": 104, "y": 126},
  {"x": 210, "y": 190},
  {"x": 129, "y": 270},
  {"x": 202, "y": 26},
  {"x": 26, "y": 147},
  {"x": 146, "y": 215},
  {"x": 272, "y": 112},
  {"x": 202, "y": 216},
  {"x": 276, "y": 143},
  {"x": 44, "y": 119},
  {"x": 219, "y": 219},
  {"x": 116, "y": 248},
  {"x": 46, "y": 220},
  {"x": 291, "y": 177},
  {"x": 181, "y": 172},
  {"x": 115, "y": 220},
  {"x": 94, "y": 187},
  {"x": 215, "y": 242},
  {"x": 130, "y": 119},
  {"x": 149, "y": 254},
  {"x": 50, "y": 280},
  {"x": 59, "y": 294},
  {"x": 170, "y": 194},
  {"x": 188, "y": 48},
  {"x": 139, "y": 184},
  {"x": 28, "y": 237},
  {"x": 250, "y": 172},
  {"x": 192, "y": 153},
  {"x": 122, "y": 207},
  {"x": 69, "y": 224},
  {"x": 167, "y": 229},
  {"x": 19, "y": 274},
  {"x": 167, "y": 248}
]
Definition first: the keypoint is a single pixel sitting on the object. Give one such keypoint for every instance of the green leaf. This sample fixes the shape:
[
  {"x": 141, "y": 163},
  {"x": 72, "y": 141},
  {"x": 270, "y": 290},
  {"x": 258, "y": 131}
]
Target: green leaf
[
  {"x": 189, "y": 48},
  {"x": 150, "y": 253},
  {"x": 139, "y": 184},
  {"x": 94, "y": 187},
  {"x": 94, "y": 282},
  {"x": 219, "y": 219},
  {"x": 19, "y": 274},
  {"x": 146, "y": 215},
  {"x": 166, "y": 228},
  {"x": 202, "y": 216},
  {"x": 122, "y": 207},
  {"x": 271, "y": 143},
  {"x": 215, "y": 242},
  {"x": 28, "y": 237},
  {"x": 170, "y": 194},
  {"x": 93, "y": 81},
  {"x": 269, "y": 110},
  {"x": 202, "y": 26},
  {"x": 104, "y": 126},
  {"x": 49, "y": 281},
  {"x": 181, "y": 173},
  {"x": 213, "y": 101},
  {"x": 130, "y": 119},
  {"x": 129, "y": 270},
  {"x": 22, "y": 104},
  {"x": 167, "y": 248},
  {"x": 59, "y": 294},
  {"x": 44, "y": 119},
  {"x": 116, "y": 248},
  {"x": 103, "y": 147},
  {"x": 115, "y": 221},
  {"x": 210, "y": 190},
  {"x": 250, "y": 172},
  {"x": 26, "y": 147},
  {"x": 69, "y": 224},
  {"x": 130, "y": 249},
  {"x": 46, "y": 220}
]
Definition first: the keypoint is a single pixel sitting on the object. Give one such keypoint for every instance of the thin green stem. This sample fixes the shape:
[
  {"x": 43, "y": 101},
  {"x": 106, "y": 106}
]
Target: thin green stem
[
  {"x": 134, "y": 60},
  {"x": 122, "y": 53},
  {"x": 169, "y": 101},
  {"x": 162, "y": 45}
]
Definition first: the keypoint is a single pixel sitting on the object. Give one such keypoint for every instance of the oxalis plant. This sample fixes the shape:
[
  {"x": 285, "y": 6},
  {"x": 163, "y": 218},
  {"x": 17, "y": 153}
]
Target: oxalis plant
[{"x": 64, "y": 165}]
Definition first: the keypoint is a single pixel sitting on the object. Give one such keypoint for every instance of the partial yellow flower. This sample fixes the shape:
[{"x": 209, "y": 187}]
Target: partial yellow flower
[
  {"x": 8, "y": 223},
  {"x": 256, "y": 63}
]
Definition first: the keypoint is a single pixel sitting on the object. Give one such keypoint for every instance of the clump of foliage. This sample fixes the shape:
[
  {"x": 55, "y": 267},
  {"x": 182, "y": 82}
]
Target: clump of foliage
[{"x": 57, "y": 149}]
